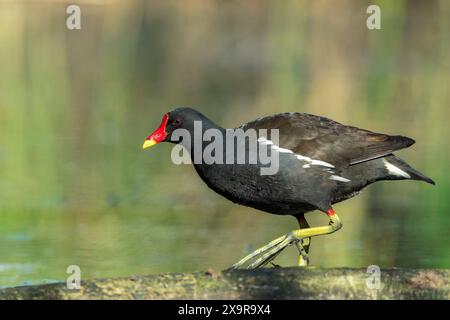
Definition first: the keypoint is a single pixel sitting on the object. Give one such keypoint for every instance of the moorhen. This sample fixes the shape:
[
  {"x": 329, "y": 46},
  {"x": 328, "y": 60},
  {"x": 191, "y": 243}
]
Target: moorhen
[{"x": 319, "y": 162}]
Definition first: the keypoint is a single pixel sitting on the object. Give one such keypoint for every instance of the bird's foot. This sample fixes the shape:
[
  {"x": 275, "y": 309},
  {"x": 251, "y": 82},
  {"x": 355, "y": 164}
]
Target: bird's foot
[
  {"x": 275, "y": 265},
  {"x": 303, "y": 258},
  {"x": 267, "y": 253}
]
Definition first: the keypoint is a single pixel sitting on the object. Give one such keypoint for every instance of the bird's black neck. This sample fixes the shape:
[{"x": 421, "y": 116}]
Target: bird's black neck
[{"x": 202, "y": 133}]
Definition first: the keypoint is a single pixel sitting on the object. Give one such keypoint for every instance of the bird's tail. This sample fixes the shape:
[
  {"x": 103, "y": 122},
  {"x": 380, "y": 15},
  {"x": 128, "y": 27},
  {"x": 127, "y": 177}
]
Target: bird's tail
[{"x": 399, "y": 169}]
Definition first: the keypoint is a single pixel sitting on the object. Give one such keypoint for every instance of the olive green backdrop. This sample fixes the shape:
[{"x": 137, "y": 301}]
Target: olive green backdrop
[{"x": 75, "y": 107}]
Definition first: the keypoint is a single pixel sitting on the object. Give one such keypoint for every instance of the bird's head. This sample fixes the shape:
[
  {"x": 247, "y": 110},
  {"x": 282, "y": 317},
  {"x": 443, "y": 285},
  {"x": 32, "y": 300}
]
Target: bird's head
[{"x": 180, "y": 118}]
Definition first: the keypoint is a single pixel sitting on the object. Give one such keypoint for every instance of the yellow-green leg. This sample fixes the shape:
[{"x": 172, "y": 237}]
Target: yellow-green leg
[
  {"x": 264, "y": 255},
  {"x": 303, "y": 250}
]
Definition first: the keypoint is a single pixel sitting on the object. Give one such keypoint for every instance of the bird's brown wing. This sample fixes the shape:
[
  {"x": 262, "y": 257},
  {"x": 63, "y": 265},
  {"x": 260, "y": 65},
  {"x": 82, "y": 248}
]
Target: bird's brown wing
[{"x": 327, "y": 140}]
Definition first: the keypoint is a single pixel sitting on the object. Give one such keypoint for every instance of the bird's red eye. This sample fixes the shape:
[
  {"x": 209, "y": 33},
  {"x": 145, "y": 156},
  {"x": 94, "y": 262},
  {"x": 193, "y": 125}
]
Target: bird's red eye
[{"x": 176, "y": 122}]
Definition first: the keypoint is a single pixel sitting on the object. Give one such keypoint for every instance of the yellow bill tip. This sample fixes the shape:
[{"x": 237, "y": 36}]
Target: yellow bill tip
[{"x": 148, "y": 144}]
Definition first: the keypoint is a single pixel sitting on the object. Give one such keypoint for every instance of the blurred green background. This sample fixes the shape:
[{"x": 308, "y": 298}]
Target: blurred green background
[{"x": 75, "y": 107}]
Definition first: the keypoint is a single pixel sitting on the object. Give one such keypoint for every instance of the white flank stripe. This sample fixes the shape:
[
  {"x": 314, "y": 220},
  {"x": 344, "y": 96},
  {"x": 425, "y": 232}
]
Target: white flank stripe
[
  {"x": 321, "y": 163},
  {"x": 310, "y": 161},
  {"x": 338, "y": 178},
  {"x": 395, "y": 170}
]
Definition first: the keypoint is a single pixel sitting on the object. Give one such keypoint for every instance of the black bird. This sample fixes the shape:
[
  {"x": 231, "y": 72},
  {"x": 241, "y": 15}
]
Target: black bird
[{"x": 319, "y": 162}]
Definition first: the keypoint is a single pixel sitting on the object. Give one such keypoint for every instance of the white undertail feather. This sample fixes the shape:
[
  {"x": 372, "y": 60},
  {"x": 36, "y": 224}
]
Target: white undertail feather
[{"x": 395, "y": 170}]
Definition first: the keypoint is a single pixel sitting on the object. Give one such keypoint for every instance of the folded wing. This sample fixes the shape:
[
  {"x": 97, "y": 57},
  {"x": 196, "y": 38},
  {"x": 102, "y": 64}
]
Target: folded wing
[{"x": 327, "y": 140}]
